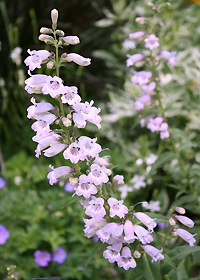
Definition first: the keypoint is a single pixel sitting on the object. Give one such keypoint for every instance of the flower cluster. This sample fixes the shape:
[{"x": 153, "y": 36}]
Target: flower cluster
[
  {"x": 43, "y": 258},
  {"x": 109, "y": 219},
  {"x": 147, "y": 79}
]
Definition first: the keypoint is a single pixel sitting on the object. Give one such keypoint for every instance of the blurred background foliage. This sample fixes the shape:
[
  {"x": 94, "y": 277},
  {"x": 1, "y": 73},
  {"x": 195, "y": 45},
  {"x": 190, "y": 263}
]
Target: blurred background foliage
[{"x": 31, "y": 209}]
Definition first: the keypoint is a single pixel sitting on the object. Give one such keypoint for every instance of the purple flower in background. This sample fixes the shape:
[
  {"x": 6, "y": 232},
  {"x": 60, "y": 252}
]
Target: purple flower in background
[
  {"x": 4, "y": 234},
  {"x": 68, "y": 187},
  {"x": 141, "y": 77},
  {"x": 151, "y": 42},
  {"x": 59, "y": 255},
  {"x": 170, "y": 56},
  {"x": 42, "y": 257},
  {"x": 2, "y": 183}
]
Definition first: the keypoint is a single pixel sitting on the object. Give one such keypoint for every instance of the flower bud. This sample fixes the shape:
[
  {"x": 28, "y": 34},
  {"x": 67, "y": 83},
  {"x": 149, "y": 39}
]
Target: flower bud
[
  {"x": 45, "y": 30},
  {"x": 69, "y": 116},
  {"x": 73, "y": 181},
  {"x": 60, "y": 32},
  {"x": 139, "y": 63},
  {"x": 54, "y": 16},
  {"x": 72, "y": 40},
  {"x": 50, "y": 64},
  {"x": 46, "y": 38},
  {"x": 150, "y": 4},
  {"x": 172, "y": 221},
  {"x": 136, "y": 254},
  {"x": 66, "y": 122},
  {"x": 141, "y": 20},
  {"x": 180, "y": 210}
]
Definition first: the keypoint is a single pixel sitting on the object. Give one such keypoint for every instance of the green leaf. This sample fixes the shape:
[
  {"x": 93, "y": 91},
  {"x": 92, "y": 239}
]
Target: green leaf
[
  {"x": 178, "y": 254},
  {"x": 96, "y": 249},
  {"x": 72, "y": 200},
  {"x": 150, "y": 270}
]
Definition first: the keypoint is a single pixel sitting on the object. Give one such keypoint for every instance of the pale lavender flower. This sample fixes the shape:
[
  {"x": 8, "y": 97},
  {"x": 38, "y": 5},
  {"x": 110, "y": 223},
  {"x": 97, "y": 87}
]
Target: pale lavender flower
[
  {"x": 185, "y": 221},
  {"x": 153, "y": 252},
  {"x": 93, "y": 225},
  {"x": 36, "y": 58},
  {"x": 124, "y": 190},
  {"x": 117, "y": 208},
  {"x": 119, "y": 179},
  {"x": 75, "y": 152},
  {"x": 91, "y": 148},
  {"x": 35, "y": 83},
  {"x": 148, "y": 88},
  {"x": 128, "y": 44},
  {"x": 112, "y": 252},
  {"x": 185, "y": 235},
  {"x": 132, "y": 59},
  {"x": 53, "y": 86},
  {"x": 169, "y": 56},
  {"x": 2, "y": 183},
  {"x": 126, "y": 260},
  {"x": 38, "y": 109},
  {"x": 95, "y": 208},
  {"x": 143, "y": 235},
  {"x": 146, "y": 220},
  {"x": 98, "y": 174},
  {"x": 42, "y": 258},
  {"x": 151, "y": 42},
  {"x": 85, "y": 187},
  {"x": 154, "y": 124},
  {"x": 86, "y": 112},
  {"x": 58, "y": 173},
  {"x": 151, "y": 159},
  {"x": 129, "y": 232},
  {"x": 138, "y": 182},
  {"x": 4, "y": 235},
  {"x": 141, "y": 77},
  {"x": 78, "y": 59},
  {"x": 16, "y": 55},
  {"x": 59, "y": 255},
  {"x": 54, "y": 150},
  {"x": 142, "y": 101},
  {"x": 137, "y": 35},
  {"x": 70, "y": 95},
  {"x": 164, "y": 132},
  {"x": 152, "y": 206}
]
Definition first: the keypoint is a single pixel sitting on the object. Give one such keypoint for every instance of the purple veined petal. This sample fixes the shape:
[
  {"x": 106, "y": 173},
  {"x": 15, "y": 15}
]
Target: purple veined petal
[{"x": 153, "y": 252}]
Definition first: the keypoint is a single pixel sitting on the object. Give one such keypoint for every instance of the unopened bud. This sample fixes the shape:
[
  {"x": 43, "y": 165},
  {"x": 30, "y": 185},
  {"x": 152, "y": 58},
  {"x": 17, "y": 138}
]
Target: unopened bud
[
  {"x": 69, "y": 116},
  {"x": 73, "y": 181},
  {"x": 136, "y": 254},
  {"x": 54, "y": 16},
  {"x": 46, "y": 38},
  {"x": 66, "y": 122},
  {"x": 174, "y": 233},
  {"x": 50, "y": 64},
  {"x": 180, "y": 210},
  {"x": 150, "y": 4},
  {"x": 60, "y": 32},
  {"x": 168, "y": 4},
  {"x": 172, "y": 221},
  {"x": 64, "y": 55},
  {"x": 141, "y": 20},
  {"x": 139, "y": 63},
  {"x": 108, "y": 171},
  {"x": 72, "y": 40},
  {"x": 57, "y": 122},
  {"x": 45, "y": 30}
]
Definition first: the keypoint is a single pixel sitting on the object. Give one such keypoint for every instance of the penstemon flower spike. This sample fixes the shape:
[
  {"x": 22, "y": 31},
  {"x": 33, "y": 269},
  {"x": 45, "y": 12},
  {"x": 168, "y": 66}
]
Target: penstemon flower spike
[{"x": 102, "y": 209}]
